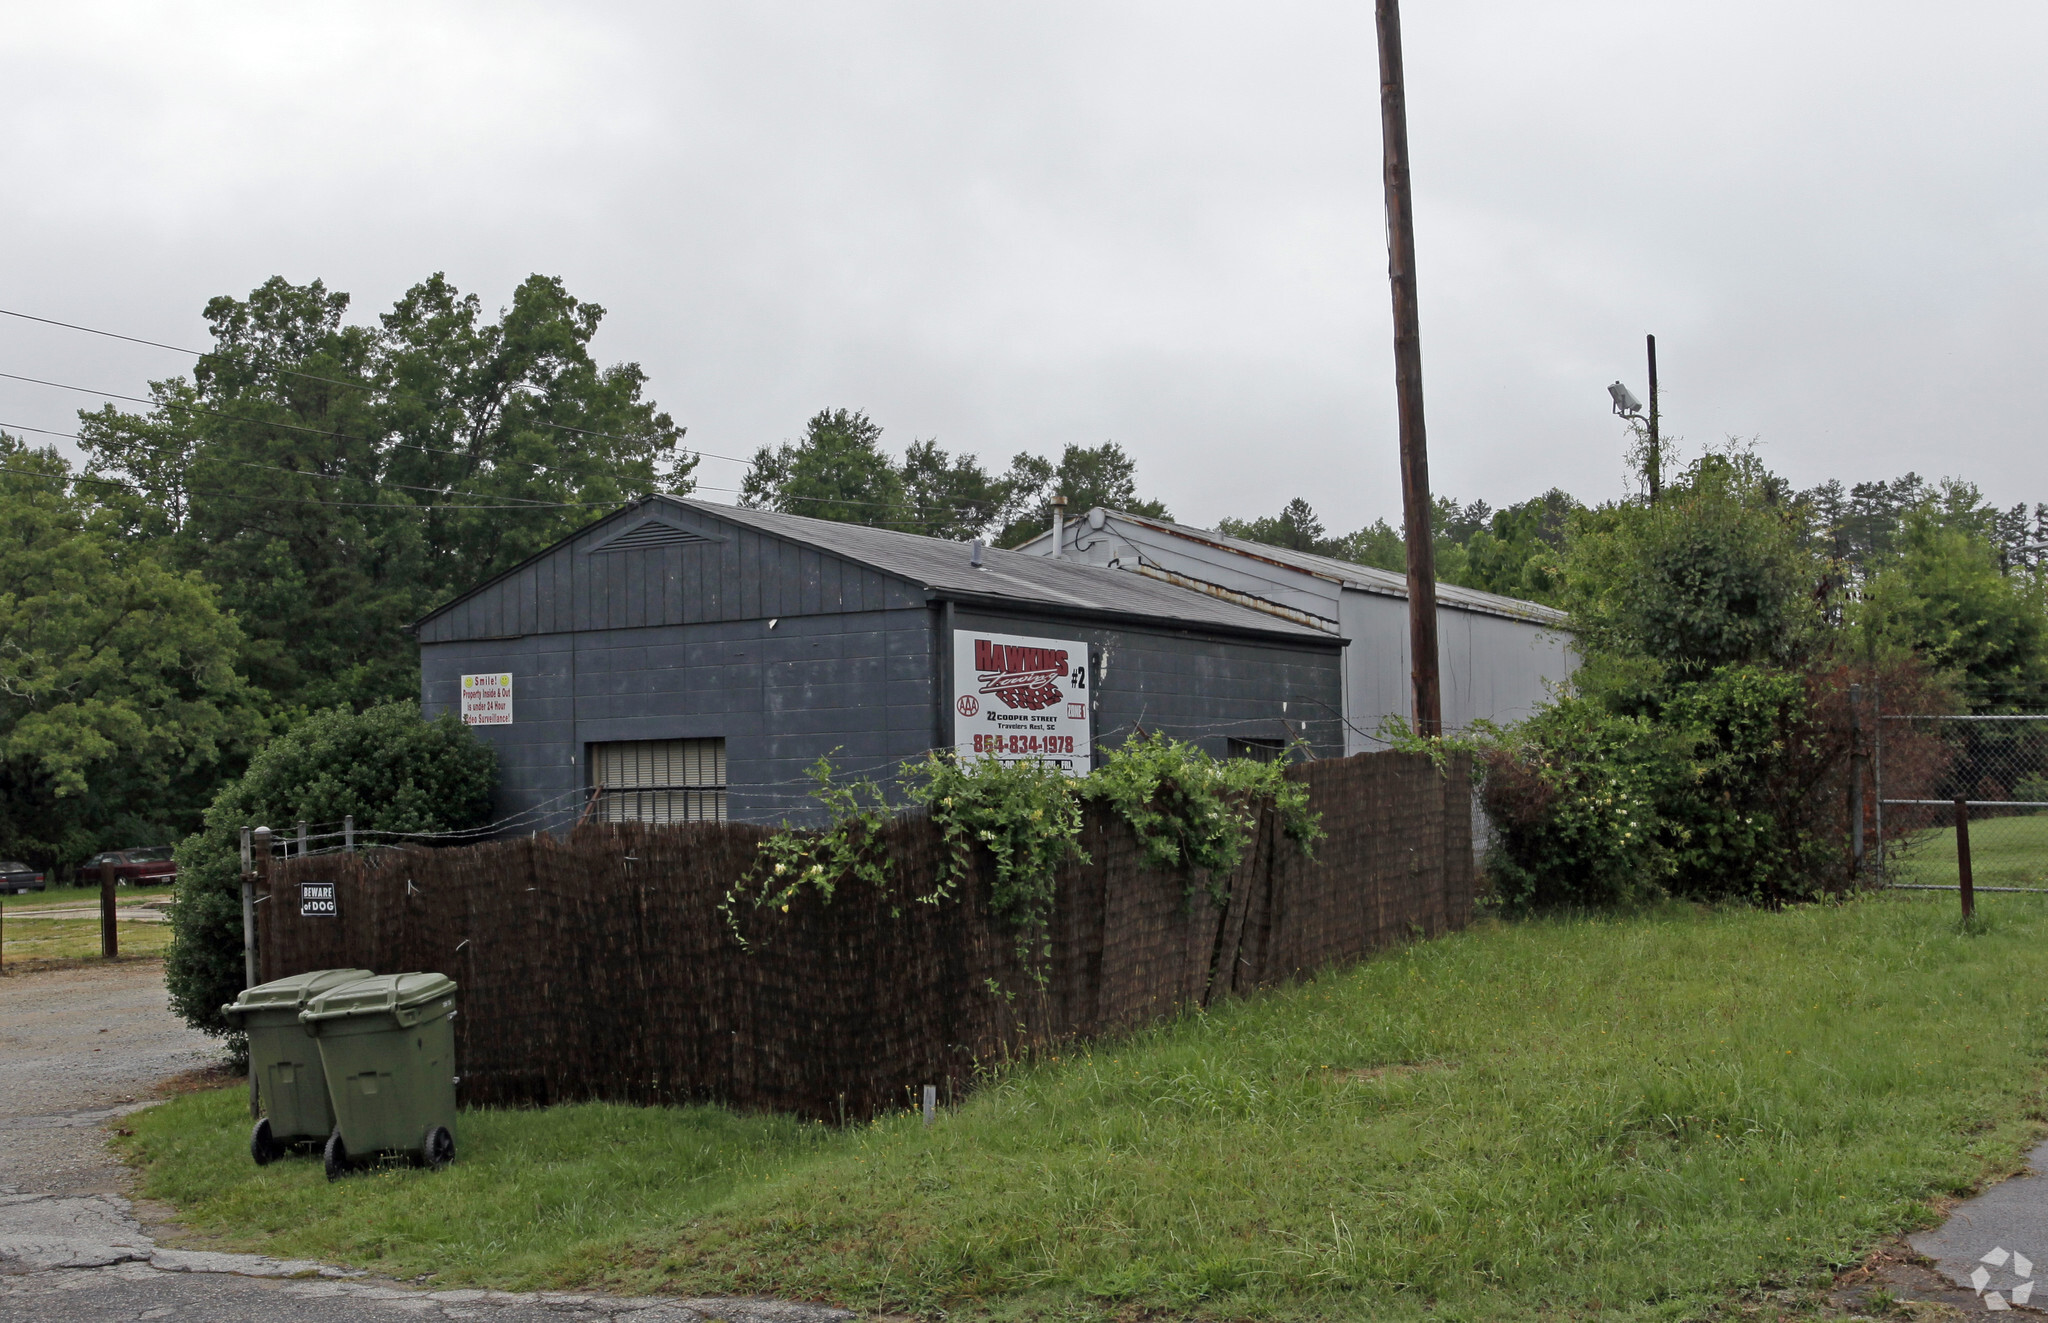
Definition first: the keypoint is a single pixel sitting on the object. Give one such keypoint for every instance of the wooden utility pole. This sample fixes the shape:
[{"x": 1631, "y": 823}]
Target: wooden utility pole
[
  {"x": 1415, "y": 505},
  {"x": 1654, "y": 470}
]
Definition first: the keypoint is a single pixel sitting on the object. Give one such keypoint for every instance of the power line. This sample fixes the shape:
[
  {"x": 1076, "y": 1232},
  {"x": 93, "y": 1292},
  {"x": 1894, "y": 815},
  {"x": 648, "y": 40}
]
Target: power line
[
  {"x": 310, "y": 376},
  {"x": 375, "y": 390},
  {"x": 408, "y": 445},
  {"x": 428, "y": 508},
  {"x": 531, "y": 504},
  {"x": 233, "y": 418}
]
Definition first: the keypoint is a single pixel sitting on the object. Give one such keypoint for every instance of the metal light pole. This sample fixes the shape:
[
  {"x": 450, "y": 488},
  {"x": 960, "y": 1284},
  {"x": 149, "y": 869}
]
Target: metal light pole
[
  {"x": 1627, "y": 406},
  {"x": 1415, "y": 505},
  {"x": 1655, "y": 466}
]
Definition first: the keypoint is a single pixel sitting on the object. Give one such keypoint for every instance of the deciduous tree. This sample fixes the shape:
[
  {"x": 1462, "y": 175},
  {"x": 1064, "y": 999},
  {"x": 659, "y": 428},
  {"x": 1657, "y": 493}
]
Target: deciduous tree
[{"x": 119, "y": 701}]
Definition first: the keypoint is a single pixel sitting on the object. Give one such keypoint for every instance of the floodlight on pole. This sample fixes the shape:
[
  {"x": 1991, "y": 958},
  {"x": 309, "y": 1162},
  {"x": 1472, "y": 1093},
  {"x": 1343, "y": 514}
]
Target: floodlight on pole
[{"x": 1627, "y": 406}]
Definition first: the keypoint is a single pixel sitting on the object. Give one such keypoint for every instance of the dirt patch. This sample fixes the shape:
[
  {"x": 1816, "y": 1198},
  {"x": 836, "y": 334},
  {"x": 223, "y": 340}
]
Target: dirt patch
[
  {"x": 1896, "y": 1281},
  {"x": 215, "y": 1076}
]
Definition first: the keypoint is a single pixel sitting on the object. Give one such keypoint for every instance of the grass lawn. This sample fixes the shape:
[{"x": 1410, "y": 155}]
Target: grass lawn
[
  {"x": 26, "y": 937},
  {"x": 1628, "y": 1117},
  {"x": 2004, "y": 852}
]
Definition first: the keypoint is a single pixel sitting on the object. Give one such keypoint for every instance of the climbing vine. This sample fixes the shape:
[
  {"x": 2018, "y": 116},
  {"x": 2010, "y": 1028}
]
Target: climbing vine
[
  {"x": 1196, "y": 813},
  {"x": 1192, "y": 813},
  {"x": 820, "y": 858},
  {"x": 1027, "y": 815}
]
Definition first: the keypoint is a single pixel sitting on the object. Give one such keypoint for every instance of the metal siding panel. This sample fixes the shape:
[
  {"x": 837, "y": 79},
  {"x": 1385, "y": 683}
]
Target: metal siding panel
[
  {"x": 712, "y": 581},
  {"x": 632, "y": 578},
  {"x": 753, "y": 558},
  {"x": 611, "y": 573},
  {"x": 810, "y": 573},
  {"x": 581, "y": 608},
  {"x": 831, "y": 591},
  {"x": 544, "y": 595},
  {"x": 691, "y": 597},
  {"x": 675, "y": 563},
  {"x": 788, "y": 579},
  {"x": 775, "y": 558}
]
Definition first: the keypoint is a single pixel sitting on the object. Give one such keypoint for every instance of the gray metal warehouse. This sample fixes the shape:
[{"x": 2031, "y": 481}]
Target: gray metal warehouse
[
  {"x": 685, "y": 661},
  {"x": 1499, "y": 657}
]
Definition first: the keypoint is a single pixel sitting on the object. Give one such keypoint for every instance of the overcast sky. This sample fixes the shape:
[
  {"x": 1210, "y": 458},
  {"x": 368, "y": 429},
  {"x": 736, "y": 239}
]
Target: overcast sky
[{"x": 1017, "y": 226}]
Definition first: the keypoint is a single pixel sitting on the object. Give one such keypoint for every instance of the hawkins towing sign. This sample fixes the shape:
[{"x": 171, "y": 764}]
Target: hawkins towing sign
[{"x": 1018, "y": 699}]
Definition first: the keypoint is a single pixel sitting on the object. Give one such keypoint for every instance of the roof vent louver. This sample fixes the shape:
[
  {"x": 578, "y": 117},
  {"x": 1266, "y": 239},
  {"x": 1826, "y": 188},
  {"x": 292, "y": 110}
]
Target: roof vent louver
[{"x": 654, "y": 533}]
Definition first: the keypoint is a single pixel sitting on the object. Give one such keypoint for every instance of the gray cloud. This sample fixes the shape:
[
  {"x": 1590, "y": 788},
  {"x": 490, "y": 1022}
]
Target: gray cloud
[{"x": 1012, "y": 227}]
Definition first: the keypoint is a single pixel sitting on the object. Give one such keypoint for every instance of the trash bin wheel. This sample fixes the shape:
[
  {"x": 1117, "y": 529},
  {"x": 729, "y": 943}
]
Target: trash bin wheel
[
  {"x": 437, "y": 1150},
  {"x": 263, "y": 1145},
  {"x": 335, "y": 1156}
]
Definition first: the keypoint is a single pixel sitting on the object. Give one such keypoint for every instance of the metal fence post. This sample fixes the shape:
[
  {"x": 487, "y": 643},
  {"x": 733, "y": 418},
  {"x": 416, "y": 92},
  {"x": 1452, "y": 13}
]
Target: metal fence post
[
  {"x": 110, "y": 942},
  {"x": 348, "y": 832},
  {"x": 260, "y": 872},
  {"x": 1965, "y": 883},
  {"x": 1855, "y": 783},
  {"x": 257, "y": 844},
  {"x": 302, "y": 838},
  {"x": 1877, "y": 774}
]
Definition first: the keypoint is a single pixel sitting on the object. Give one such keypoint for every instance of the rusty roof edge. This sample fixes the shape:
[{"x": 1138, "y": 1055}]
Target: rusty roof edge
[
  {"x": 1250, "y": 601},
  {"x": 1534, "y": 613}
]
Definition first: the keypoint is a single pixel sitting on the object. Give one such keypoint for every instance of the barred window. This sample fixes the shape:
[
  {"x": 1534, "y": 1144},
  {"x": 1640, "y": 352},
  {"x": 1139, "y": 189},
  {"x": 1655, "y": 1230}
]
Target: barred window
[
  {"x": 1260, "y": 751},
  {"x": 659, "y": 780}
]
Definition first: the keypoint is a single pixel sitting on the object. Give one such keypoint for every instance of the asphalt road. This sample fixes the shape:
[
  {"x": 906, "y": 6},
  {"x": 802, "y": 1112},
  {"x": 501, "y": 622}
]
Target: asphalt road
[{"x": 81, "y": 1047}]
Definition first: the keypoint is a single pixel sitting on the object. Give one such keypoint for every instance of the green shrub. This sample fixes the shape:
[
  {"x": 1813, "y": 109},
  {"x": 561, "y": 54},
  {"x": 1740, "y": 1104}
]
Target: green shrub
[
  {"x": 1711, "y": 790},
  {"x": 392, "y": 771},
  {"x": 1573, "y": 796},
  {"x": 1700, "y": 748}
]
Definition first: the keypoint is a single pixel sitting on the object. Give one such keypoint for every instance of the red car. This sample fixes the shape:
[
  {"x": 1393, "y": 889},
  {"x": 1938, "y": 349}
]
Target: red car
[{"x": 141, "y": 867}]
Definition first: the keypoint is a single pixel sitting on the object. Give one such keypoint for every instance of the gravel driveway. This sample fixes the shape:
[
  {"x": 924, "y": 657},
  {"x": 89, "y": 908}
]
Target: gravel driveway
[
  {"x": 75, "y": 1044},
  {"x": 79, "y": 1047}
]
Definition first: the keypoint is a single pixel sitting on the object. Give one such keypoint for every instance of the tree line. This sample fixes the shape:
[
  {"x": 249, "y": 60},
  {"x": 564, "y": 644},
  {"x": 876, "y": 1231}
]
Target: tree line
[{"x": 244, "y": 549}]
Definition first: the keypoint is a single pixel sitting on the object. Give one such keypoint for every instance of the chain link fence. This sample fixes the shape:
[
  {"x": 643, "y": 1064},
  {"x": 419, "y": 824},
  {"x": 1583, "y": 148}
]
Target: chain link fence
[{"x": 1997, "y": 766}]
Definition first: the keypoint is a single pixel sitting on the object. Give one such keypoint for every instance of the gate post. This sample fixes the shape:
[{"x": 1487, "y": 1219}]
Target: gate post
[{"x": 1965, "y": 884}]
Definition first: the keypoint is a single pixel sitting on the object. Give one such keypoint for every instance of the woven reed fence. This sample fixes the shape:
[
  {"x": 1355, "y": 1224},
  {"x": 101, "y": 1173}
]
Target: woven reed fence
[{"x": 599, "y": 967}]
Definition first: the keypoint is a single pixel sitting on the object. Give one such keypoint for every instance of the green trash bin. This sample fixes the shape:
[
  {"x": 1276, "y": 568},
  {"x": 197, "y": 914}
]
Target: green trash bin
[
  {"x": 285, "y": 1060},
  {"x": 387, "y": 1044}
]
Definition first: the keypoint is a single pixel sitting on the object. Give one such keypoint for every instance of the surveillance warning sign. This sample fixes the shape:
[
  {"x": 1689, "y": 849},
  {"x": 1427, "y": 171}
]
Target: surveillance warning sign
[
  {"x": 1019, "y": 699},
  {"x": 486, "y": 700}
]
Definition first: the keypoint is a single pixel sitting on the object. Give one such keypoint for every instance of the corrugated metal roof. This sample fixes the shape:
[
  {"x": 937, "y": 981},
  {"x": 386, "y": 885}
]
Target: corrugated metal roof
[
  {"x": 942, "y": 567},
  {"x": 1350, "y": 574}
]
